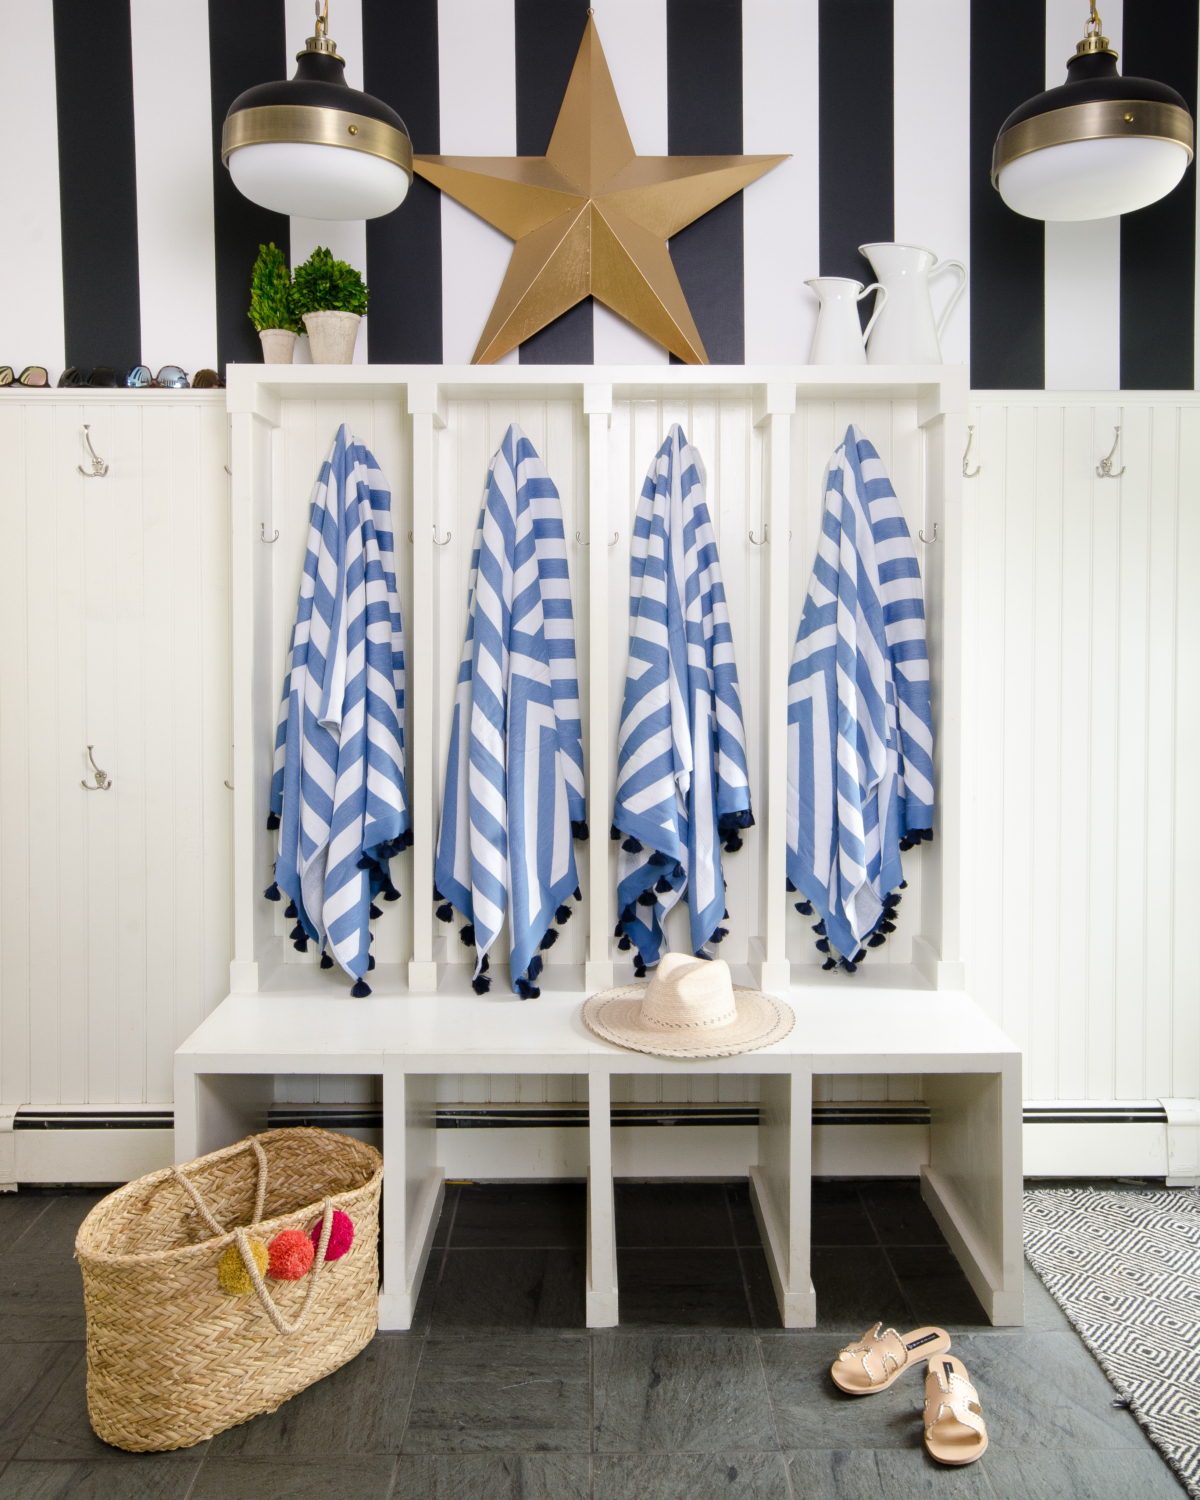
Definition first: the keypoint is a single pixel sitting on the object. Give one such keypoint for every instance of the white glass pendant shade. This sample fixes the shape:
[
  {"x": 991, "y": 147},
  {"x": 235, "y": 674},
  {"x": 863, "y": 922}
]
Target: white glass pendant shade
[
  {"x": 1099, "y": 145},
  {"x": 313, "y": 147},
  {"x": 1092, "y": 179},
  {"x": 318, "y": 182}
]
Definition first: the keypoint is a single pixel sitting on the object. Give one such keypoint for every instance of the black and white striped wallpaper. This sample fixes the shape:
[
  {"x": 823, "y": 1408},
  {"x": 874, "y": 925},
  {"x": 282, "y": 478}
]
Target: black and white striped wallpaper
[{"x": 126, "y": 242}]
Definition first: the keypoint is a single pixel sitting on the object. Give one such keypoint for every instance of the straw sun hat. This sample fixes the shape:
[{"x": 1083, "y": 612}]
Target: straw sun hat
[{"x": 690, "y": 1008}]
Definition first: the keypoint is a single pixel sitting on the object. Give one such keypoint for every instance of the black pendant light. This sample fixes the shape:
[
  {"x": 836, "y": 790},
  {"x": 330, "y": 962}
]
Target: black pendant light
[
  {"x": 313, "y": 146},
  {"x": 1097, "y": 146}
]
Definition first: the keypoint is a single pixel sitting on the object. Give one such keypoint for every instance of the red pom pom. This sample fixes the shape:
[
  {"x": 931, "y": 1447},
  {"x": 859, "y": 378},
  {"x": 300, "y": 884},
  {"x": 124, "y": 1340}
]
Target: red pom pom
[
  {"x": 341, "y": 1235},
  {"x": 291, "y": 1255}
]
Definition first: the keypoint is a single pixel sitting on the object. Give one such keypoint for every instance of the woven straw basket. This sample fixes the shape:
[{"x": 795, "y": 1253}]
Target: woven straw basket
[{"x": 172, "y": 1359}]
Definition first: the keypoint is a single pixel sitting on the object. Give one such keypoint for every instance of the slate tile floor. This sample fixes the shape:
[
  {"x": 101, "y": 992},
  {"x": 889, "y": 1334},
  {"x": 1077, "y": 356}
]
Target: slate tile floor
[{"x": 499, "y": 1392}]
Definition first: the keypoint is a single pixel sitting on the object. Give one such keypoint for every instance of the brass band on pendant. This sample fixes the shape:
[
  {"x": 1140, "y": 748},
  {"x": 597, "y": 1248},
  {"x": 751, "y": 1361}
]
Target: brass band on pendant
[
  {"x": 307, "y": 124},
  {"x": 1136, "y": 119}
]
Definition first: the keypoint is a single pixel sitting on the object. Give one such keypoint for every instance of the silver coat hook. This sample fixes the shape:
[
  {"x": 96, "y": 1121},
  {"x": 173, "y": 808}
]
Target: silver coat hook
[
  {"x": 766, "y": 536},
  {"x": 228, "y": 470},
  {"x": 928, "y": 539},
  {"x": 613, "y": 543},
  {"x": 1104, "y": 469},
  {"x": 99, "y": 468},
  {"x": 102, "y": 779},
  {"x": 262, "y": 531},
  {"x": 230, "y": 787},
  {"x": 969, "y": 473},
  {"x": 436, "y": 543}
]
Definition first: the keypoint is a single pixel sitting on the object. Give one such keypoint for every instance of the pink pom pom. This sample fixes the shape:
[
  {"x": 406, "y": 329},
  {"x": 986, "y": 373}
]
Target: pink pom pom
[
  {"x": 291, "y": 1255},
  {"x": 341, "y": 1235}
]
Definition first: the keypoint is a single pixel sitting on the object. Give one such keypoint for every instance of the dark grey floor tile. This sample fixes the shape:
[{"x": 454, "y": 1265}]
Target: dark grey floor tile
[
  {"x": 655, "y": 1215},
  {"x": 17, "y": 1212},
  {"x": 42, "y": 1277},
  {"x": 856, "y": 1287},
  {"x": 30, "y": 1375},
  {"x": 690, "y": 1476},
  {"x": 442, "y": 1233},
  {"x": 1042, "y": 1313},
  {"x": 679, "y": 1393},
  {"x": 764, "y": 1307},
  {"x": 883, "y": 1474},
  {"x": 63, "y": 1434},
  {"x": 936, "y": 1289},
  {"x": 741, "y": 1211},
  {"x": 295, "y": 1479},
  {"x": 898, "y": 1213},
  {"x": 510, "y": 1289},
  {"x": 1080, "y": 1476},
  {"x": 682, "y": 1288},
  {"x": 151, "y": 1477},
  {"x": 838, "y": 1215},
  {"x": 548, "y": 1215},
  {"x": 812, "y": 1413},
  {"x": 359, "y": 1409},
  {"x": 493, "y": 1476},
  {"x": 1044, "y": 1390},
  {"x": 32, "y": 1327},
  {"x": 524, "y": 1394}
]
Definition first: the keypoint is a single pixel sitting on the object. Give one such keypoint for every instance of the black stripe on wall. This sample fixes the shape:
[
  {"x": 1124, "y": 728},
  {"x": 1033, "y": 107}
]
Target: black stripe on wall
[
  {"x": 404, "y": 249},
  {"x": 246, "y": 46},
  {"x": 704, "y": 118},
  {"x": 1008, "y": 251},
  {"x": 548, "y": 34},
  {"x": 856, "y": 113},
  {"x": 97, "y": 174},
  {"x": 1158, "y": 243}
]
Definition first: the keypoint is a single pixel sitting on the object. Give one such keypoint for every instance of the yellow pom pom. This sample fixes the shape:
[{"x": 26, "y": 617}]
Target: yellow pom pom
[{"x": 232, "y": 1274}]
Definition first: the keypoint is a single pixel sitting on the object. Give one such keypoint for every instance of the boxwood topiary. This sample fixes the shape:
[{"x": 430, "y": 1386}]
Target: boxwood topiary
[
  {"x": 271, "y": 299},
  {"x": 323, "y": 284}
]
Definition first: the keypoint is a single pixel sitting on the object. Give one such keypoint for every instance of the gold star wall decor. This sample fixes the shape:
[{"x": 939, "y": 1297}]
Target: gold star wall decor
[{"x": 590, "y": 217}]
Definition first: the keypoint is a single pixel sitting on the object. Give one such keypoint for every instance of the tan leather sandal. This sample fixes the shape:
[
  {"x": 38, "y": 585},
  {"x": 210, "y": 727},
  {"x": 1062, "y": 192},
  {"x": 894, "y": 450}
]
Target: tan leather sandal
[
  {"x": 954, "y": 1430},
  {"x": 878, "y": 1359}
]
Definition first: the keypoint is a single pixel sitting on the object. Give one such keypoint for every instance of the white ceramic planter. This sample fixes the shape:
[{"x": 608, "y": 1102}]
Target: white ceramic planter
[
  {"x": 278, "y": 344},
  {"x": 331, "y": 336}
]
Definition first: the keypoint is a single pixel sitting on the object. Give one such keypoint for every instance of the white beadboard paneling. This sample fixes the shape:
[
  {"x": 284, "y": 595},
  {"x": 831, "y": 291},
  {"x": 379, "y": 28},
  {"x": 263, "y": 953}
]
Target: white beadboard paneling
[
  {"x": 477, "y": 77},
  {"x": 932, "y": 207},
  {"x": 780, "y": 215},
  {"x": 1184, "y": 1051},
  {"x": 173, "y": 146},
  {"x": 120, "y": 943}
]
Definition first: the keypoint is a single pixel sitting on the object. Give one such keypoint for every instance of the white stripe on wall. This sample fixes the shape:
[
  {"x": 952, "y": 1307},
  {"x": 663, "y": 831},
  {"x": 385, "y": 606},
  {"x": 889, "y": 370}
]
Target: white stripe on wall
[
  {"x": 932, "y": 113},
  {"x": 172, "y": 121},
  {"x": 477, "y": 74},
  {"x": 779, "y": 113},
  {"x": 347, "y": 238},
  {"x": 633, "y": 34},
  {"x": 30, "y": 247},
  {"x": 1083, "y": 260}
]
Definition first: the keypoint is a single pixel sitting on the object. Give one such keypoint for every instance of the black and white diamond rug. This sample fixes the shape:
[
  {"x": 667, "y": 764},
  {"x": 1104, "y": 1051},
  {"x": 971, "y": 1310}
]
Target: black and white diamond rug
[{"x": 1125, "y": 1268}]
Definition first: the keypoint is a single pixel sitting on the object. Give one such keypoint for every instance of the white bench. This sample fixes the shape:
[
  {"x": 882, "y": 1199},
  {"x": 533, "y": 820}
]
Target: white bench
[{"x": 224, "y": 1078}]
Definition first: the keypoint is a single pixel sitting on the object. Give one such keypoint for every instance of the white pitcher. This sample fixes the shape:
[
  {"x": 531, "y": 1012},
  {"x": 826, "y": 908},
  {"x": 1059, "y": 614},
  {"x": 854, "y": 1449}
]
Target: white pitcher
[
  {"x": 907, "y": 333},
  {"x": 840, "y": 338}
]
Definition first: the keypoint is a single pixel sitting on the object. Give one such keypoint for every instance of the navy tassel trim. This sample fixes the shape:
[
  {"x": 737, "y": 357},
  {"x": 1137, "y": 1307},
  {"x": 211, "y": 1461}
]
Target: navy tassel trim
[
  {"x": 272, "y": 822},
  {"x": 733, "y": 845},
  {"x": 578, "y": 896},
  {"x": 579, "y": 830},
  {"x": 823, "y": 945},
  {"x": 297, "y": 932},
  {"x": 719, "y": 935},
  {"x": 850, "y": 968},
  {"x": 614, "y": 832},
  {"x": 859, "y": 956},
  {"x": 484, "y": 964},
  {"x": 805, "y": 908},
  {"x": 819, "y": 929},
  {"x": 631, "y": 845},
  {"x": 639, "y": 968},
  {"x": 790, "y": 886},
  {"x": 326, "y": 961},
  {"x": 481, "y": 984},
  {"x": 877, "y": 941},
  {"x": 662, "y": 885},
  {"x": 535, "y": 967},
  {"x": 466, "y": 935},
  {"x": 361, "y": 990},
  {"x": 437, "y": 895},
  {"x": 628, "y": 915},
  {"x": 624, "y": 944},
  {"x": 562, "y": 915},
  {"x": 526, "y": 990},
  {"x": 370, "y": 960},
  {"x": 829, "y": 963},
  {"x": 647, "y": 898},
  {"x": 290, "y": 910},
  {"x": 728, "y": 822},
  {"x": 904, "y": 885},
  {"x": 445, "y": 913},
  {"x": 301, "y": 945},
  {"x": 375, "y": 911},
  {"x": 272, "y": 892},
  {"x": 549, "y": 939}
]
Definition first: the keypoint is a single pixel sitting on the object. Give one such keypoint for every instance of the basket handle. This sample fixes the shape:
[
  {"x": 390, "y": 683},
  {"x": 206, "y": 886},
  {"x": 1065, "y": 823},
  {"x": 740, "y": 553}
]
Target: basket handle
[
  {"x": 260, "y": 1196},
  {"x": 278, "y": 1321}
]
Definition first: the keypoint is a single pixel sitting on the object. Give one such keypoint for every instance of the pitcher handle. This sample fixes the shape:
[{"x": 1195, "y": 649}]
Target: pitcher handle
[
  {"x": 881, "y": 296},
  {"x": 946, "y": 265}
]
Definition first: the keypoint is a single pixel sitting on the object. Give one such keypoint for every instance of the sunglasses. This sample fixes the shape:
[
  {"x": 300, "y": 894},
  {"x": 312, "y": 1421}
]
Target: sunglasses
[
  {"x": 32, "y": 376},
  {"x": 140, "y": 378},
  {"x": 100, "y": 376},
  {"x": 207, "y": 380}
]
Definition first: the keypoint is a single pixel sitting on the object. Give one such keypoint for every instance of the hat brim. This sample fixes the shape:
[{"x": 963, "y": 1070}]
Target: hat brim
[{"x": 616, "y": 1016}]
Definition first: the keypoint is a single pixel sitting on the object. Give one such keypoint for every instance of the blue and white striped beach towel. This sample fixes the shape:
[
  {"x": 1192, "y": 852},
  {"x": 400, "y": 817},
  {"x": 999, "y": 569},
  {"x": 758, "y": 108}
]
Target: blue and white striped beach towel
[
  {"x": 338, "y": 794},
  {"x": 514, "y": 774},
  {"x": 860, "y": 734},
  {"x": 681, "y": 749}
]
